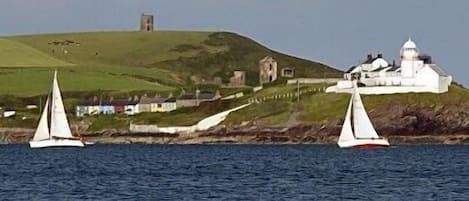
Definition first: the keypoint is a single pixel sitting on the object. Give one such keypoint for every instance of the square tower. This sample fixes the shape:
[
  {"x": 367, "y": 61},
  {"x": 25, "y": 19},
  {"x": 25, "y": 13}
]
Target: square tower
[
  {"x": 146, "y": 23},
  {"x": 267, "y": 70}
]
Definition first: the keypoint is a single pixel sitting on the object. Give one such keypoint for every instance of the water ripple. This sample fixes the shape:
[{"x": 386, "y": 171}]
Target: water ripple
[{"x": 234, "y": 172}]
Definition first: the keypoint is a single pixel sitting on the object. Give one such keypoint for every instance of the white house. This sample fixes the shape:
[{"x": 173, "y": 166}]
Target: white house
[
  {"x": 416, "y": 73},
  {"x": 156, "y": 104}
]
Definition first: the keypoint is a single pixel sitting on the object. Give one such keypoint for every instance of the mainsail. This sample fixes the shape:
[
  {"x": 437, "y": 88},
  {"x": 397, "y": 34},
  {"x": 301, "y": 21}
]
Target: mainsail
[
  {"x": 363, "y": 128},
  {"x": 42, "y": 131},
  {"x": 59, "y": 124}
]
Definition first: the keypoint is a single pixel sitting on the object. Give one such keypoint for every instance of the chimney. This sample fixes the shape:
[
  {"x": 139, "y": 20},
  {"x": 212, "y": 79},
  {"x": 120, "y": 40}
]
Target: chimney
[
  {"x": 369, "y": 56},
  {"x": 393, "y": 62},
  {"x": 380, "y": 55}
]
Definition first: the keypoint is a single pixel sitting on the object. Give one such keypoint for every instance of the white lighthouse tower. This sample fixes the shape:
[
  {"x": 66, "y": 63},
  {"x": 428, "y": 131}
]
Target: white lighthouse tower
[{"x": 410, "y": 63}]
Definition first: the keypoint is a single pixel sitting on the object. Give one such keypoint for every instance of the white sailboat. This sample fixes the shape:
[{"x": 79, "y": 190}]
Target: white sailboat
[
  {"x": 358, "y": 131},
  {"x": 56, "y": 132}
]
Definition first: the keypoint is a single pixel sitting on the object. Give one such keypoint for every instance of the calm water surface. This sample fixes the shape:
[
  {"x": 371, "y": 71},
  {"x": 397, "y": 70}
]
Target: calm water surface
[{"x": 234, "y": 172}]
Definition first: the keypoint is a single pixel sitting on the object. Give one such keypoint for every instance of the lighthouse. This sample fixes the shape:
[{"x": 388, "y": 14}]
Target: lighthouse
[
  {"x": 410, "y": 62},
  {"x": 416, "y": 73}
]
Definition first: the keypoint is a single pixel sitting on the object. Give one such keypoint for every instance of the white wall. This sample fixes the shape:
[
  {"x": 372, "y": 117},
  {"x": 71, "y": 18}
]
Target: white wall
[{"x": 427, "y": 77}]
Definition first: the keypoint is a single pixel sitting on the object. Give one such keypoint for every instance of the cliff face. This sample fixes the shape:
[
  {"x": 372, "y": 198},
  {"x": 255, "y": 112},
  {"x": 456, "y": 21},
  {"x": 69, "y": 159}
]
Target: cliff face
[{"x": 411, "y": 120}]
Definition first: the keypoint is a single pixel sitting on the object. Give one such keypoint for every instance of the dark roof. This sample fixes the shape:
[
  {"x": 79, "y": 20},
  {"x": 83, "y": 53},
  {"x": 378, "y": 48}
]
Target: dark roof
[
  {"x": 439, "y": 70},
  {"x": 187, "y": 97},
  {"x": 379, "y": 69},
  {"x": 351, "y": 69},
  {"x": 106, "y": 102},
  {"x": 123, "y": 102},
  {"x": 207, "y": 95},
  {"x": 394, "y": 68},
  {"x": 370, "y": 58},
  {"x": 427, "y": 59},
  {"x": 170, "y": 100},
  {"x": 147, "y": 100},
  {"x": 91, "y": 102}
]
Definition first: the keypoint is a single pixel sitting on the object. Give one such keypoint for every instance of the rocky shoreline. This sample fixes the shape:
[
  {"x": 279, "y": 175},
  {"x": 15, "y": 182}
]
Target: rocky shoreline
[{"x": 300, "y": 134}]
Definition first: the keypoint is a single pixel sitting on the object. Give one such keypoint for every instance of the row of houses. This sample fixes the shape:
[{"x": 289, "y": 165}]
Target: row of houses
[{"x": 135, "y": 105}]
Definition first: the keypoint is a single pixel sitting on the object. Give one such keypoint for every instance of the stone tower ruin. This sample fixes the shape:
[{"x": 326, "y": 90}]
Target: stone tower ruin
[
  {"x": 267, "y": 70},
  {"x": 146, "y": 23}
]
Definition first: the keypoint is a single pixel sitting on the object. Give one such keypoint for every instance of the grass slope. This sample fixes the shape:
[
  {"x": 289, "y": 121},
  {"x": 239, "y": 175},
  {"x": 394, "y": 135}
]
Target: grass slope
[
  {"x": 16, "y": 54},
  {"x": 184, "y": 54},
  {"x": 318, "y": 107},
  {"x": 239, "y": 53},
  {"x": 32, "y": 82},
  {"x": 123, "y": 48}
]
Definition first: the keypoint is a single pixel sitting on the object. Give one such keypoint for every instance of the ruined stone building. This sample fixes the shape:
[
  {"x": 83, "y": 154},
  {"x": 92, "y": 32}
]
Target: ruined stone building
[
  {"x": 288, "y": 72},
  {"x": 238, "y": 79},
  {"x": 146, "y": 23},
  {"x": 267, "y": 70}
]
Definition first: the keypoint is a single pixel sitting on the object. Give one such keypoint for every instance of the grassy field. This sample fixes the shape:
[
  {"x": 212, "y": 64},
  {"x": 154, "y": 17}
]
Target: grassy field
[
  {"x": 185, "y": 55},
  {"x": 159, "y": 61},
  {"x": 17, "y": 54},
  {"x": 124, "y": 48},
  {"x": 36, "y": 81}
]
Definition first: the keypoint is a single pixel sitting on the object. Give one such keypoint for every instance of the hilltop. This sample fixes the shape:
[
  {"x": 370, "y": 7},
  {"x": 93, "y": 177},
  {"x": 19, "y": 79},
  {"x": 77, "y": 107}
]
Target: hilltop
[{"x": 159, "y": 61}]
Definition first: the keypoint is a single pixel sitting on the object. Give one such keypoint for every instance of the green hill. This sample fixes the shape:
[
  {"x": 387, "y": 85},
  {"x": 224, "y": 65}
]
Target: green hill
[
  {"x": 168, "y": 58},
  {"x": 117, "y": 48},
  {"x": 16, "y": 54}
]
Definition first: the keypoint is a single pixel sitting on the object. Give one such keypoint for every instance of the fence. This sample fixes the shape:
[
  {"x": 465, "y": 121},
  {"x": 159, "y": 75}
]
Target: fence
[{"x": 286, "y": 95}]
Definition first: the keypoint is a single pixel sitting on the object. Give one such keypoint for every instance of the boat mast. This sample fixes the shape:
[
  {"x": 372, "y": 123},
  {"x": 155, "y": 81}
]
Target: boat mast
[{"x": 51, "y": 104}]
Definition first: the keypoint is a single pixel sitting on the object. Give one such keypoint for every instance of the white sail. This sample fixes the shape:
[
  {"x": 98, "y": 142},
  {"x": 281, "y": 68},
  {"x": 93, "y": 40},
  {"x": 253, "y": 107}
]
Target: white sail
[
  {"x": 42, "y": 131},
  {"x": 363, "y": 128},
  {"x": 59, "y": 124},
  {"x": 346, "y": 134}
]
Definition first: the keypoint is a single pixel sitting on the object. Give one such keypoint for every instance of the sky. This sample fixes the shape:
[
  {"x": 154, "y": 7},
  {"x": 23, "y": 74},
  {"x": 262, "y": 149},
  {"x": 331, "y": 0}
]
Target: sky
[{"x": 336, "y": 32}]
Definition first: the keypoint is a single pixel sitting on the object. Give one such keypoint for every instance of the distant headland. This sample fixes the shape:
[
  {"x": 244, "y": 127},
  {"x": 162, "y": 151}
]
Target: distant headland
[{"x": 112, "y": 80}]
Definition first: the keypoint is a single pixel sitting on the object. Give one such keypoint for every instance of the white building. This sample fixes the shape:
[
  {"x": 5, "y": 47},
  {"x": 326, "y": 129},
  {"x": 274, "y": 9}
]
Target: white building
[{"x": 416, "y": 73}]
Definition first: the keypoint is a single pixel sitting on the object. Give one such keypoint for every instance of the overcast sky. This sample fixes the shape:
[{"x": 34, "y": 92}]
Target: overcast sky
[{"x": 336, "y": 32}]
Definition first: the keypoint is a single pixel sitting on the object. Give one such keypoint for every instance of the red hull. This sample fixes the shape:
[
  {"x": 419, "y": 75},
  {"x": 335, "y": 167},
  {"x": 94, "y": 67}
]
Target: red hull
[{"x": 369, "y": 146}]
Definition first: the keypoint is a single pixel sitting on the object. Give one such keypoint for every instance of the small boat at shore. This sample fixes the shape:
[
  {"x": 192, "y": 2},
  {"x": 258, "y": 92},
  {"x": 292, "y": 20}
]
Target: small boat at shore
[
  {"x": 53, "y": 129},
  {"x": 357, "y": 130}
]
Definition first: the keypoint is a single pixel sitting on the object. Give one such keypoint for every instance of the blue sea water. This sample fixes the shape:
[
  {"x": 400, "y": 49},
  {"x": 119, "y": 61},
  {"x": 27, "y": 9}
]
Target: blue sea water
[{"x": 234, "y": 172}]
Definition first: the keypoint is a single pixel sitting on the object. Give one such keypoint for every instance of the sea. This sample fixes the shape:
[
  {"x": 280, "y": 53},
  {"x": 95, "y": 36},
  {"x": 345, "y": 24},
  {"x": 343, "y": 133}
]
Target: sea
[{"x": 234, "y": 172}]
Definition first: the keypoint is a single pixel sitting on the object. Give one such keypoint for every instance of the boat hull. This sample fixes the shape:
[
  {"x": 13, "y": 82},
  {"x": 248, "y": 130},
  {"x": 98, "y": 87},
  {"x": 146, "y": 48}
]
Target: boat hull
[
  {"x": 56, "y": 143},
  {"x": 364, "y": 143}
]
